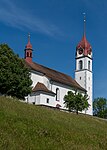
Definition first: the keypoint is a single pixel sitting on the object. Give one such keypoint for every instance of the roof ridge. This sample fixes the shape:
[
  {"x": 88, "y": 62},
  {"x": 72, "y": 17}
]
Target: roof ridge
[{"x": 51, "y": 69}]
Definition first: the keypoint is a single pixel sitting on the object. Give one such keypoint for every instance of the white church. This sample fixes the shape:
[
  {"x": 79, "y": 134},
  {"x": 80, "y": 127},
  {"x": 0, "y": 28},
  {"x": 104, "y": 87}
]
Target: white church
[{"x": 50, "y": 86}]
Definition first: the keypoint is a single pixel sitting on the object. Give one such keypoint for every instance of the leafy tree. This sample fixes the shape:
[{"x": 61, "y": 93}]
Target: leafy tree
[
  {"x": 14, "y": 76},
  {"x": 100, "y": 107},
  {"x": 76, "y": 101}
]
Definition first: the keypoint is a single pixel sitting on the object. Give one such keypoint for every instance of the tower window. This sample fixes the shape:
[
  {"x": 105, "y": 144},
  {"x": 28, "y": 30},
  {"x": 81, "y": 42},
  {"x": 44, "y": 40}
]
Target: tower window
[
  {"x": 57, "y": 94},
  {"x": 27, "y": 54},
  {"x": 80, "y": 64},
  {"x": 88, "y": 65},
  {"x": 80, "y": 78},
  {"x": 30, "y": 54}
]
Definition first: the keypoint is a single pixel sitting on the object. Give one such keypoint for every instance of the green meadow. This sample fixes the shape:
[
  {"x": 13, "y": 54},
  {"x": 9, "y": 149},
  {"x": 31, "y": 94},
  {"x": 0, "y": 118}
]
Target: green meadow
[{"x": 29, "y": 127}]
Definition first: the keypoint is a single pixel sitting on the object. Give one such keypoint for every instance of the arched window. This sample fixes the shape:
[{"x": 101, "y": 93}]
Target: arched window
[
  {"x": 80, "y": 65},
  {"x": 27, "y": 54},
  {"x": 30, "y": 54},
  {"x": 57, "y": 94},
  {"x": 88, "y": 65}
]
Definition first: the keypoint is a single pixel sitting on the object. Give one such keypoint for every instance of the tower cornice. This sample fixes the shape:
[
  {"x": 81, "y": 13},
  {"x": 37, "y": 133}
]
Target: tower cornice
[
  {"x": 84, "y": 70},
  {"x": 83, "y": 57}
]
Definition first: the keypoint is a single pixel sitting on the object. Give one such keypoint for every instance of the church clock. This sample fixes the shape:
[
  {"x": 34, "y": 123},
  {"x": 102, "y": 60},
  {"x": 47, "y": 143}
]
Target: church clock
[{"x": 80, "y": 51}]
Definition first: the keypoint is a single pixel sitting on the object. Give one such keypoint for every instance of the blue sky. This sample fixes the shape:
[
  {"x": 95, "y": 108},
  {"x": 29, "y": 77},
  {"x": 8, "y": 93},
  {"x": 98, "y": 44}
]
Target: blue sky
[{"x": 56, "y": 27}]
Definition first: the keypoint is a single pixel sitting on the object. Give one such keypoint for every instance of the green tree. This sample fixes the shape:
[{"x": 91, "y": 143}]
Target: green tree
[
  {"x": 76, "y": 101},
  {"x": 14, "y": 76},
  {"x": 100, "y": 107}
]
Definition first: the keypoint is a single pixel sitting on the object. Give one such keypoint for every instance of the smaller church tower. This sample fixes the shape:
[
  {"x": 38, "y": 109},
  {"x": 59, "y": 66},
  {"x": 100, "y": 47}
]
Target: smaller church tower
[
  {"x": 28, "y": 51},
  {"x": 83, "y": 72}
]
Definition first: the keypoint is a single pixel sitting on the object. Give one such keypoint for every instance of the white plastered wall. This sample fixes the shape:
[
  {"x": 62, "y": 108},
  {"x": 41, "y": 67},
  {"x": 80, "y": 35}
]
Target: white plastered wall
[
  {"x": 40, "y": 98},
  {"x": 63, "y": 89},
  {"x": 84, "y": 78}
]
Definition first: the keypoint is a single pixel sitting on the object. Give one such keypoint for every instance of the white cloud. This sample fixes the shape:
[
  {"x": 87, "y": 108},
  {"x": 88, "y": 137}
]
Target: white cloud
[{"x": 12, "y": 15}]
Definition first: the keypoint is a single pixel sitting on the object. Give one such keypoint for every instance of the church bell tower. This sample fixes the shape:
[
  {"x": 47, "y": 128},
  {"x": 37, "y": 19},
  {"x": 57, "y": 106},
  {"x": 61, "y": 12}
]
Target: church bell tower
[
  {"x": 28, "y": 51},
  {"x": 83, "y": 71}
]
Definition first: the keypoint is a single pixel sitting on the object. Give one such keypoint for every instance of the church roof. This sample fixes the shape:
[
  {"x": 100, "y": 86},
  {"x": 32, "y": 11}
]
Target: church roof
[
  {"x": 85, "y": 45},
  {"x": 55, "y": 75},
  {"x": 41, "y": 87}
]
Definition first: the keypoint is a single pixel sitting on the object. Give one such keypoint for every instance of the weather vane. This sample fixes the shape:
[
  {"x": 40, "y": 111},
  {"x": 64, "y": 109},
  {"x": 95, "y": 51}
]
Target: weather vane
[
  {"x": 28, "y": 36},
  {"x": 84, "y": 16},
  {"x": 84, "y": 22}
]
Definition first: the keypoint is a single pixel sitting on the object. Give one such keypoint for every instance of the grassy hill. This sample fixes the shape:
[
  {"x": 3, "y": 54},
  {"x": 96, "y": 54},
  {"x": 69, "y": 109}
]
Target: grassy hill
[{"x": 29, "y": 127}]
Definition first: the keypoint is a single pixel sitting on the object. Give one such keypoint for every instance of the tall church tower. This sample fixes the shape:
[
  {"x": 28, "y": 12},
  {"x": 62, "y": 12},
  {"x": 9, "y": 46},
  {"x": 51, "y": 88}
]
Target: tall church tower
[
  {"x": 83, "y": 72},
  {"x": 28, "y": 51}
]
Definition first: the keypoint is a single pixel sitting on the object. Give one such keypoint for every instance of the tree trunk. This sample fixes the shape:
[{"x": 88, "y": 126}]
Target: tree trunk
[{"x": 77, "y": 112}]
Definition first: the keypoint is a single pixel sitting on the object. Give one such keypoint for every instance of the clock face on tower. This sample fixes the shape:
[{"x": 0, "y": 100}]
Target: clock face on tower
[
  {"x": 89, "y": 52},
  {"x": 80, "y": 51}
]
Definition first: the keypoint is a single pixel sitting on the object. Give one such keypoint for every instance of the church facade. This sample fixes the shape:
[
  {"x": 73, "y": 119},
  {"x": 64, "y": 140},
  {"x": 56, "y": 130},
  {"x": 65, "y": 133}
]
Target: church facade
[{"x": 50, "y": 86}]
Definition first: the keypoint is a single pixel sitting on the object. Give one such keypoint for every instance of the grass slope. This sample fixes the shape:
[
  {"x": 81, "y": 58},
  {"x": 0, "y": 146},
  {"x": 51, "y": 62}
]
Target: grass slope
[{"x": 29, "y": 127}]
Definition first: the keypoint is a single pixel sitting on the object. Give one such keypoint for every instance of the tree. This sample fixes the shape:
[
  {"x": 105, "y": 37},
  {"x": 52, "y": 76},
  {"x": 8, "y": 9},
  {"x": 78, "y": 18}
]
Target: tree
[
  {"x": 76, "y": 101},
  {"x": 100, "y": 107},
  {"x": 14, "y": 75}
]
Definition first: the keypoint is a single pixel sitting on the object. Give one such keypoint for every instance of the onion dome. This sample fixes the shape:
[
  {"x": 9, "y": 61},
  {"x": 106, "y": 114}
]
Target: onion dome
[{"x": 29, "y": 45}]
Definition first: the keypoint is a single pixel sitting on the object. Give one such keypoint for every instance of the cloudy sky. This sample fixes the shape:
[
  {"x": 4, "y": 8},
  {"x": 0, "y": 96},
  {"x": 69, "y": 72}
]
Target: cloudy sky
[{"x": 56, "y": 27}]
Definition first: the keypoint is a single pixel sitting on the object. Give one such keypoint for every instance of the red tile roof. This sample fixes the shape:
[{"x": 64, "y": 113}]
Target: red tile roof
[
  {"x": 41, "y": 87},
  {"x": 55, "y": 75},
  {"x": 85, "y": 45}
]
